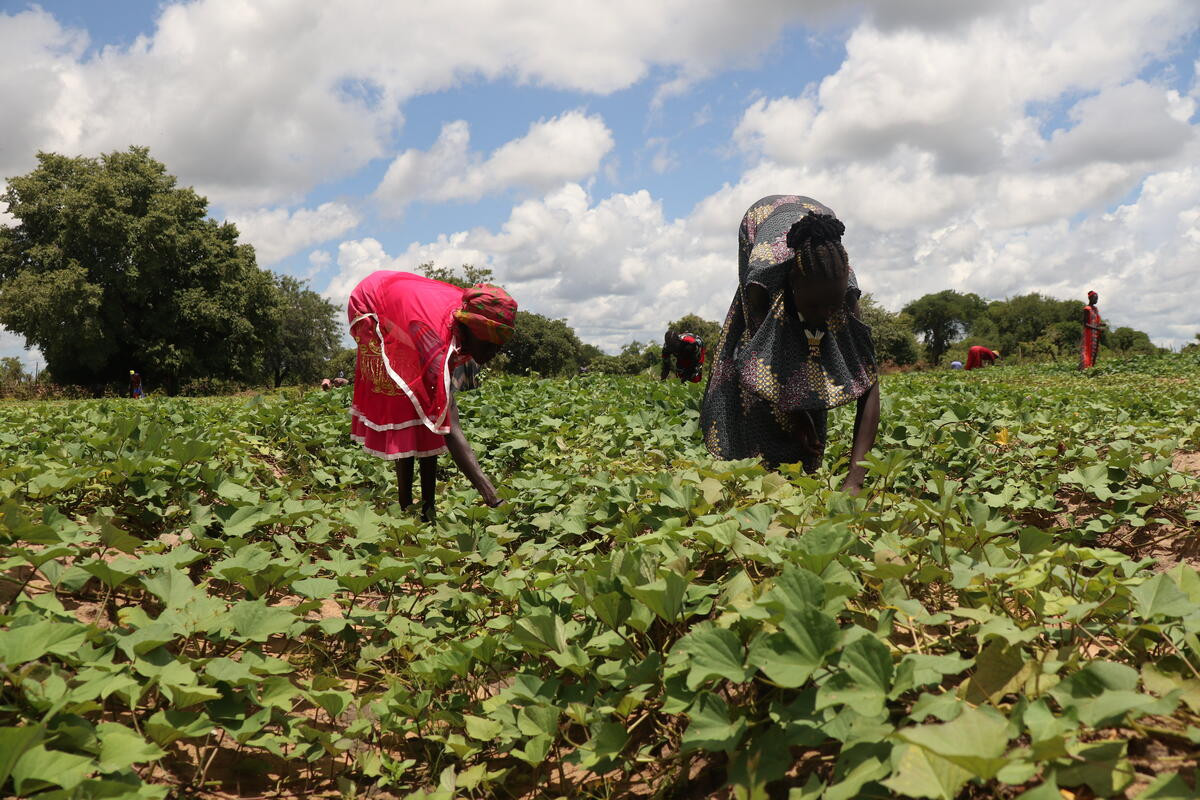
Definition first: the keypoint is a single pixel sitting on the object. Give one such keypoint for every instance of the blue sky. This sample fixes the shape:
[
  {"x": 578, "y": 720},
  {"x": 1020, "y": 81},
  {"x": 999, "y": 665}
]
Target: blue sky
[{"x": 598, "y": 157}]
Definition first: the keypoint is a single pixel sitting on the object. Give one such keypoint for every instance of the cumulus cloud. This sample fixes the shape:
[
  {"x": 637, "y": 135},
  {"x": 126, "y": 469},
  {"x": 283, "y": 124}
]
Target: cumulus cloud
[
  {"x": 257, "y": 103},
  {"x": 983, "y": 145},
  {"x": 1122, "y": 124},
  {"x": 937, "y": 145},
  {"x": 565, "y": 148},
  {"x": 598, "y": 263},
  {"x": 277, "y": 233},
  {"x": 963, "y": 96}
]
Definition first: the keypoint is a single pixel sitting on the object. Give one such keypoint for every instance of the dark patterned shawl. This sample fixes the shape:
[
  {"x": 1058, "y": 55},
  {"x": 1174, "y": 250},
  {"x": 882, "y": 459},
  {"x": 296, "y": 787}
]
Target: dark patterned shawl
[{"x": 764, "y": 381}]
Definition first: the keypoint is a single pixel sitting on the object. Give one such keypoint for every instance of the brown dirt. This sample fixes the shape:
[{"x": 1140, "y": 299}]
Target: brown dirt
[{"x": 1186, "y": 462}]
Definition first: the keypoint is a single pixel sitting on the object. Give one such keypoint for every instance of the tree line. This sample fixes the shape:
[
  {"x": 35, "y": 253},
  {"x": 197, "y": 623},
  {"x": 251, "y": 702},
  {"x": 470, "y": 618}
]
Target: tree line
[{"x": 111, "y": 267}]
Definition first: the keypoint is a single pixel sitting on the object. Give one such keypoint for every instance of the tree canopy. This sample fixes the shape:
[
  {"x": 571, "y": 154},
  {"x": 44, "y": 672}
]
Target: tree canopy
[
  {"x": 543, "y": 345},
  {"x": 893, "y": 334},
  {"x": 111, "y": 267},
  {"x": 306, "y": 337},
  {"x": 941, "y": 318},
  {"x": 469, "y": 276}
]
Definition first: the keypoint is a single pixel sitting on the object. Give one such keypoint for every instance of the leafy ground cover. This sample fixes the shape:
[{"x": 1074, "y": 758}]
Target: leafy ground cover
[{"x": 217, "y": 597}]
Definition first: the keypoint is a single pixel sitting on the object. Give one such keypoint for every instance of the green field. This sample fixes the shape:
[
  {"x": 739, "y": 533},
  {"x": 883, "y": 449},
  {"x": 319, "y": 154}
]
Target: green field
[{"x": 220, "y": 596}]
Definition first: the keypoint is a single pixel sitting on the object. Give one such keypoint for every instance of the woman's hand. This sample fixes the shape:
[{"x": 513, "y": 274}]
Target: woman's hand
[{"x": 853, "y": 484}]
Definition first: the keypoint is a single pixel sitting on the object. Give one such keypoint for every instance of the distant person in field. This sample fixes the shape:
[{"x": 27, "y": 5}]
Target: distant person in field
[
  {"x": 415, "y": 335},
  {"x": 956, "y": 365},
  {"x": 1089, "y": 347},
  {"x": 135, "y": 385},
  {"x": 340, "y": 380},
  {"x": 793, "y": 345},
  {"x": 979, "y": 356},
  {"x": 688, "y": 353}
]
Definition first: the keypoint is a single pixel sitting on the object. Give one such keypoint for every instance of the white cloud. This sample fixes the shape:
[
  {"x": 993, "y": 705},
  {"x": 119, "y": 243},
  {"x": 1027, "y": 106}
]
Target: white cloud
[
  {"x": 12, "y": 345},
  {"x": 962, "y": 96},
  {"x": 930, "y": 142},
  {"x": 565, "y": 148},
  {"x": 277, "y": 233},
  {"x": 595, "y": 263},
  {"x": 257, "y": 103},
  {"x": 1122, "y": 124}
]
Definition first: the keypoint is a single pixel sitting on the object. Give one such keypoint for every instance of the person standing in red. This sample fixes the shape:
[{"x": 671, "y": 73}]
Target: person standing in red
[
  {"x": 1089, "y": 347},
  {"x": 979, "y": 356},
  {"x": 413, "y": 333}
]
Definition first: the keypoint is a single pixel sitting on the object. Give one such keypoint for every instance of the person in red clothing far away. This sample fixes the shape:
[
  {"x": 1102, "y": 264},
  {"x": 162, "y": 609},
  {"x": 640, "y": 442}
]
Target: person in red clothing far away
[
  {"x": 1093, "y": 326},
  {"x": 979, "y": 356},
  {"x": 689, "y": 353}
]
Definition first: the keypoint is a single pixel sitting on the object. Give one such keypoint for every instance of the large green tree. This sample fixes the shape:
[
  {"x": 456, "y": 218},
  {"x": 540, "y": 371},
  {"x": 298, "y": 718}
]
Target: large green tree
[
  {"x": 1013, "y": 324},
  {"x": 893, "y": 334},
  {"x": 943, "y": 317},
  {"x": 110, "y": 267},
  {"x": 543, "y": 345},
  {"x": 468, "y": 276},
  {"x": 307, "y": 334}
]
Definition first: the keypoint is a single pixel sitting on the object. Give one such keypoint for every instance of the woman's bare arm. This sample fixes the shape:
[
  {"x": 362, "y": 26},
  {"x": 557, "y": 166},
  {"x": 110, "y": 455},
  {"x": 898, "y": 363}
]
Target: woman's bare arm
[
  {"x": 866, "y": 426},
  {"x": 464, "y": 457}
]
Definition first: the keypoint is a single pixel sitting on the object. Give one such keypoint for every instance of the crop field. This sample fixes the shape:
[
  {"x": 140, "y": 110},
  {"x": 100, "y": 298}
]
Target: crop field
[{"x": 219, "y": 598}]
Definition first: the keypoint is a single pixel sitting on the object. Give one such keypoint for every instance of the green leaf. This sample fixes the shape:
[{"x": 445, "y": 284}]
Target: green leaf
[
  {"x": 796, "y": 589},
  {"x": 790, "y": 658},
  {"x": 709, "y": 726},
  {"x": 121, "y": 747},
  {"x": 111, "y": 573},
  {"x": 318, "y": 588},
  {"x": 14, "y": 742},
  {"x": 607, "y": 741},
  {"x": 663, "y": 596},
  {"x": 1101, "y": 766},
  {"x": 999, "y": 670},
  {"x": 612, "y": 608},
  {"x": 31, "y": 642},
  {"x": 1160, "y": 597},
  {"x": 168, "y": 725},
  {"x": 975, "y": 741},
  {"x": 920, "y": 773},
  {"x": 173, "y": 587},
  {"x": 40, "y": 767},
  {"x": 541, "y": 631},
  {"x": 868, "y": 662},
  {"x": 1168, "y": 787},
  {"x": 255, "y": 621},
  {"x": 481, "y": 729},
  {"x": 712, "y": 653},
  {"x": 765, "y": 758}
]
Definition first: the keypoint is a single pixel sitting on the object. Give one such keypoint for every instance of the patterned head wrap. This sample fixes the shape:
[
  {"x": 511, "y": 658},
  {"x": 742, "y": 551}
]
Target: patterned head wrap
[{"x": 488, "y": 312}]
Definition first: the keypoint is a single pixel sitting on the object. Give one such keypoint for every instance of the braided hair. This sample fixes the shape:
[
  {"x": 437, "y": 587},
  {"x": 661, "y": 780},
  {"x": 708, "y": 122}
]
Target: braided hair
[{"x": 817, "y": 240}]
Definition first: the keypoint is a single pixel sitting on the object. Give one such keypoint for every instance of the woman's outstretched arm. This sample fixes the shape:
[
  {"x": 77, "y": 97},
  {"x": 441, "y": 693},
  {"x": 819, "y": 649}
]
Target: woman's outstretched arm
[
  {"x": 866, "y": 426},
  {"x": 464, "y": 457}
]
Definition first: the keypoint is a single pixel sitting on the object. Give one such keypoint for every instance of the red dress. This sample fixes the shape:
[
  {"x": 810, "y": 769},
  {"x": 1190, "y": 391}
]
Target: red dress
[
  {"x": 407, "y": 349},
  {"x": 1089, "y": 347},
  {"x": 977, "y": 355}
]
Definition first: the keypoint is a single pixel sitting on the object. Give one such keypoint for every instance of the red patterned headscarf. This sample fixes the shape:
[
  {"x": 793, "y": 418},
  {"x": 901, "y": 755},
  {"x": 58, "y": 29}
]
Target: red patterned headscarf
[{"x": 488, "y": 312}]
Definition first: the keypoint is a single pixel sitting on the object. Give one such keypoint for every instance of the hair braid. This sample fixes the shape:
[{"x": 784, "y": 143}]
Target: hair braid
[{"x": 817, "y": 240}]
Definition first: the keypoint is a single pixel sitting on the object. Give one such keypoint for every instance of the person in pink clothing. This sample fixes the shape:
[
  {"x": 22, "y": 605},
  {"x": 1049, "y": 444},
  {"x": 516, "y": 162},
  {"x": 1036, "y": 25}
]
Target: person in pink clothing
[{"x": 413, "y": 334}]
